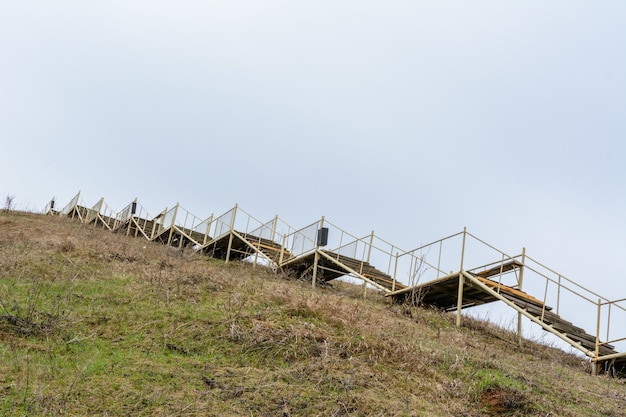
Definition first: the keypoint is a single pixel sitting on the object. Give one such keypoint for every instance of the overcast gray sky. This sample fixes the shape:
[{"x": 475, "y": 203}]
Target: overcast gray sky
[{"x": 410, "y": 118}]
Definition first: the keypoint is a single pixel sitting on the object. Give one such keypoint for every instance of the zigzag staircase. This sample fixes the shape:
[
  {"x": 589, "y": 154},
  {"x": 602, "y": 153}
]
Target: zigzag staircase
[{"x": 300, "y": 253}]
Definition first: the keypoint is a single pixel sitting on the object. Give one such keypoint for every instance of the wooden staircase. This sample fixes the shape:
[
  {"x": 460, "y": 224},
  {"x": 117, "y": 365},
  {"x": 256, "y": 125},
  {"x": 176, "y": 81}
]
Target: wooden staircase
[
  {"x": 566, "y": 328},
  {"x": 542, "y": 312},
  {"x": 552, "y": 322},
  {"x": 463, "y": 289},
  {"x": 479, "y": 289}
]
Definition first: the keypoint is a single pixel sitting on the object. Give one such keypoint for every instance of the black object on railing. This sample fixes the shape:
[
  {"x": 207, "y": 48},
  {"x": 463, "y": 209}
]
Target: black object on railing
[{"x": 322, "y": 236}]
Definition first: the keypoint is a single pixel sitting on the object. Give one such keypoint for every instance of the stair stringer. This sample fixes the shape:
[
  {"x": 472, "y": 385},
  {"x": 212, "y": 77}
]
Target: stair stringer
[
  {"x": 547, "y": 327},
  {"x": 184, "y": 233},
  {"x": 99, "y": 218},
  {"x": 256, "y": 250},
  {"x": 353, "y": 272},
  {"x": 134, "y": 221}
]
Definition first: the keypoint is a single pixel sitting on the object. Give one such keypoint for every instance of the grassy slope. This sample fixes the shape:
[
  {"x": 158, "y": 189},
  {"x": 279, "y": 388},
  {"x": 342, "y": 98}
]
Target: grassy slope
[{"x": 94, "y": 323}]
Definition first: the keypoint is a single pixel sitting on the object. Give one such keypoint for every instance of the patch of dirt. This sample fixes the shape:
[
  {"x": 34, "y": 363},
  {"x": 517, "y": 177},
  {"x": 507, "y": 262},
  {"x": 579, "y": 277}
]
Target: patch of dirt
[{"x": 498, "y": 401}]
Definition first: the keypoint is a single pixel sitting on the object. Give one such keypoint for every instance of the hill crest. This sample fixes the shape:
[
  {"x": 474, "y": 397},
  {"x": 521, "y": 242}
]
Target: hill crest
[{"x": 100, "y": 323}]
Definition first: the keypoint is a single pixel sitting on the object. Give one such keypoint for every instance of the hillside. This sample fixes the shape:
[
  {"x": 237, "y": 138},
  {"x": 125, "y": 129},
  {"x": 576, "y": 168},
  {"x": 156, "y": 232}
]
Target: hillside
[{"x": 96, "y": 323}]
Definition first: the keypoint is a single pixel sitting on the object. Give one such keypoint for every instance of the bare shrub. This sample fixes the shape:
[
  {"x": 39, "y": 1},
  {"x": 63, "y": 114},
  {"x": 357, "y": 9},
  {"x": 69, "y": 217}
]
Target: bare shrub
[
  {"x": 9, "y": 203},
  {"x": 67, "y": 246}
]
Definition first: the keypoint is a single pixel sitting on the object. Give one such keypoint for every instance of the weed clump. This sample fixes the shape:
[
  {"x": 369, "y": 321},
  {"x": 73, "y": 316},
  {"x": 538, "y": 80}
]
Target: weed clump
[
  {"x": 26, "y": 318},
  {"x": 67, "y": 246}
]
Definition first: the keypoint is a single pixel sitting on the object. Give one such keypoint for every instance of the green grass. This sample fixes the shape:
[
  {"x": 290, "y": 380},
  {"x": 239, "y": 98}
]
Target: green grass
[{"x": 96, "y": 323}]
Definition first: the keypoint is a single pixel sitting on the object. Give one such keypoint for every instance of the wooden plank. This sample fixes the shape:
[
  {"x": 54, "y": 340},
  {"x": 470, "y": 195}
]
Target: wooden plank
[
  {"x": 510, "y": 290},
  {"x": 589, "y": 338},
  {"x": 531, "y": 307},
  {"x": 499, "y": 269},
  {"x": 591, "y": 345}
]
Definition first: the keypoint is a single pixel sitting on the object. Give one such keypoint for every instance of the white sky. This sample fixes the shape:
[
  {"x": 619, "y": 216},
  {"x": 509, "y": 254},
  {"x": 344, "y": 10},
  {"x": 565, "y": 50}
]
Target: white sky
[{"x": 410, "y": 118}]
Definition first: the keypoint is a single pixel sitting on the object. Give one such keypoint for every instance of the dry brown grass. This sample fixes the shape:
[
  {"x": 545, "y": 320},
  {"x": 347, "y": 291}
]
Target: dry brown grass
[{"x": 142, "y": 329}]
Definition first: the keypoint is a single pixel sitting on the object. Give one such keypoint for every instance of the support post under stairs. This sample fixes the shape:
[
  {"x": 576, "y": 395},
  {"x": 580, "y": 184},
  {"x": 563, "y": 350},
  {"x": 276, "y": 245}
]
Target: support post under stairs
[
  {"x": 459, "y": 302},
  {"x": 520, "y": 281}
]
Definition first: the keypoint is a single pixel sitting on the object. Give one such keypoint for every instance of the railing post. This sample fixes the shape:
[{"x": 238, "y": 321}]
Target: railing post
[
  {"x": 256, "y": 253},
  {"x": 439, "y": 258},
  {"x": 169, "y": 239},
  {"x": 99, "y": 212},
  {"x": 274, "y": 228},
  {"x": 316, "y": 258},
  {"x": 608, "y": 322},
  {"x": 130, "y": 218},
  {"x": 369, "y": 254},
  {"x": 395, "y": 271},
  {"x": 558, "y": 296},
  {"x": 77, "y": 198},
  {"x": 230, "y": 238},
  {"x": 369, "y": 250},
  {"x": 208, "y": 230},
  {"x": 281, "y": 256},
  {"x": 157, "y": 224},
  {"x": 75, "y": 211},
  {"x": 598, "y": 331},
  {"x": 545, "y": 297},
  {"x": 459, "y": 302},
  {"x": 520, "y": 280}
]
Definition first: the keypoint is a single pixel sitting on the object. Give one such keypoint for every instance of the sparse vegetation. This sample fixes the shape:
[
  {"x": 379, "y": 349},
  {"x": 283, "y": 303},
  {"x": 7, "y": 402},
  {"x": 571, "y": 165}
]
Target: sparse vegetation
[
  {"x": 9, "y": 203},
  {"x": 94, "y": 323}
]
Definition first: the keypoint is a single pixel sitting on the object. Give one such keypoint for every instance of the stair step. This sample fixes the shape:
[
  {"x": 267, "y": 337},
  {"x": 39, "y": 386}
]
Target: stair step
[
  {"x": 589, "y": 344},
  {"x": 567, "y": 328}
]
